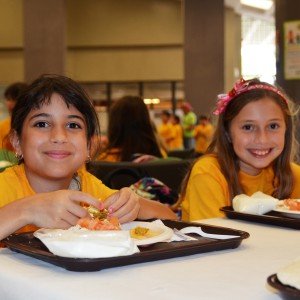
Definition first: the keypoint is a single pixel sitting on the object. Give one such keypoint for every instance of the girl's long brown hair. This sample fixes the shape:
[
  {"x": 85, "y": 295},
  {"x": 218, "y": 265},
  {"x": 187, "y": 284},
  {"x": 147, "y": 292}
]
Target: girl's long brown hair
[
  {"x": 229, "y": 162},
  {"x": 130, "y": 129}
]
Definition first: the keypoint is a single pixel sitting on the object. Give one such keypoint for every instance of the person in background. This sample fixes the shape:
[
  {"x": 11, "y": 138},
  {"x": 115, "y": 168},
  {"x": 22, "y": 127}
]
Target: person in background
[
  {"x": 166, "y": 129},
  {"x": 252, "y": 150},
  {"x": 11, "y": 95},
  {"x": 203, "y": 133},
  {"x": 130, "y": 132},
  {"x": 188, "y": 123},
  {"x": 177, "y": 142},
  {"x": 53, "y": 125}
]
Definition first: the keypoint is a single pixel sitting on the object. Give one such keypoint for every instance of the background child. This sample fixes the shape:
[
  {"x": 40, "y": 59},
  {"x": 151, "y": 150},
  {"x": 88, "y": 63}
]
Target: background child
[
  {"x": 130, "y": 131},
  {"x": 188, "y": 123},
  {"x": 177, "y": 142},
  {"x": 53, "y": 125},
  {"x": 11, "y": 94},
  {"x": 203, "y": 133},
  {"x": 166, "y": 129},
  {"x": 252, "y": 150}
]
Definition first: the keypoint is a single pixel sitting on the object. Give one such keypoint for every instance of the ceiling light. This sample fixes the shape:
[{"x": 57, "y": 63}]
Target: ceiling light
[{"x": 261, "y": 4}]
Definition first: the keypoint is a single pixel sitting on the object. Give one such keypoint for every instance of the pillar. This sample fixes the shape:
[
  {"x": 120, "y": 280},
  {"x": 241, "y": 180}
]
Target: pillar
[
  {"x": 203, "y": 52},
  {"x": 44, "y": 37}
]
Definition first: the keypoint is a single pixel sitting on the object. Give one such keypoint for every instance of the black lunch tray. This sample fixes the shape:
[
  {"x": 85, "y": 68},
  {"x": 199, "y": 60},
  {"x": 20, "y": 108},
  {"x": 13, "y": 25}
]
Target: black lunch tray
[
  {"x": 27, "y": 244},
  {"x": 286, "y": 292},
  {"x": 271, "y": 218}
]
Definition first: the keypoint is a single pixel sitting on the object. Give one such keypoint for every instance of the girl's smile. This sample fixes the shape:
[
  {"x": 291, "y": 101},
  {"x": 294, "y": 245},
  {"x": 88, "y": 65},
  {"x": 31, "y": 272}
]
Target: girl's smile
[{"x": 257, "y": 134}]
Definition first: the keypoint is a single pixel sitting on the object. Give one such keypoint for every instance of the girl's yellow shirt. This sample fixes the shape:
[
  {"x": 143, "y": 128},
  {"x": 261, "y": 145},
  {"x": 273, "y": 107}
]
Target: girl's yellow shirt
[
  {"x": 14, "y": 185},
  {"x": 207, "y": 189}
]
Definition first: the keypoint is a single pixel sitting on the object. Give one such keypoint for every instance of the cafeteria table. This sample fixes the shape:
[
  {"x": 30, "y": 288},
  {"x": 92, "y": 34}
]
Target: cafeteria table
[{"x": 239, "y": 273}]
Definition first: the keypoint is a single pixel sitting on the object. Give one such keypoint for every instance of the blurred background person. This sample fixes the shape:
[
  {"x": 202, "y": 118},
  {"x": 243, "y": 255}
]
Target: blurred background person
[
  {"x": 177, "y": 142},
  {"x": 11, "y": 95},
  {"x": 188, "y": 123},
  {"x": 166, "y": 129},
  {"x": 130, "y": 132},
  {"x": 203, "y": 133}
]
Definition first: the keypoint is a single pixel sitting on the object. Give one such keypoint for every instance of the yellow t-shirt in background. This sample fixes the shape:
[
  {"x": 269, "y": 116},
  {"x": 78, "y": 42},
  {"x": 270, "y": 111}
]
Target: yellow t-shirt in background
[
  {"x": 203, "y": 135},
  {"x": 207, "y": 190},
  {"x": 177, "y": 142},
  {"x": 166, "y": 131}
]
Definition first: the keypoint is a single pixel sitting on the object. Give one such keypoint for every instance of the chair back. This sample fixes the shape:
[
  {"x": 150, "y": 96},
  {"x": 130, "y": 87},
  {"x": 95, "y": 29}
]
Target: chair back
[
  {"x": 183, "y": 154},
  {"x": 120, "y": 174}
]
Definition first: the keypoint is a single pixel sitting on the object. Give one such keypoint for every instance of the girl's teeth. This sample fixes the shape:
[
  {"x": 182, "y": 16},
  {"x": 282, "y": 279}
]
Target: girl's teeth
[{"x": 260, "y": 152}]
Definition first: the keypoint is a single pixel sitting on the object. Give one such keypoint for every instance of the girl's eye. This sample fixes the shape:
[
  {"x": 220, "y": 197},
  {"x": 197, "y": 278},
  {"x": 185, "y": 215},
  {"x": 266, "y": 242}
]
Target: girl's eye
[
  {"x": 247, "y": 127},
  {"x": 41, "y": 124},
  {"x": 74, "y": 126},
  {"x": 274, "y": 126}
]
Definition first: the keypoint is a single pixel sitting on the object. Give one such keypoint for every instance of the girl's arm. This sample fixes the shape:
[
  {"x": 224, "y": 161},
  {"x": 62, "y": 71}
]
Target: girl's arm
[{"x": 60, "y": 209}]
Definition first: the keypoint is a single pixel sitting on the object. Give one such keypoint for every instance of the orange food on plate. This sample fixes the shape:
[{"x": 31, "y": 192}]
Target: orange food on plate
[
  {"x": 99, "y": 220},
  {"x": 290, "y": 204},
  {"x": 96, "y": 224}
]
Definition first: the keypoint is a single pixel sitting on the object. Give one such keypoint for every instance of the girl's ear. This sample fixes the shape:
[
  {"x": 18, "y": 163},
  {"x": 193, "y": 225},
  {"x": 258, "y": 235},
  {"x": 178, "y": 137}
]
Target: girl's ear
[{"x": 16, "y": 143}]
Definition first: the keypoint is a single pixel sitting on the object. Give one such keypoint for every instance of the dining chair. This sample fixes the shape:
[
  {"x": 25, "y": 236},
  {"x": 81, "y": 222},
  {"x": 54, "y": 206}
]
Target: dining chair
[{"x": 121, "y": 174}]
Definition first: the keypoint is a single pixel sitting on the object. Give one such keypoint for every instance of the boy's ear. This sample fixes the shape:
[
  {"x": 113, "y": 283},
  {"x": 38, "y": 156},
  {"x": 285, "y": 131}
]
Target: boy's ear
[{"x": 16, "y": 143}]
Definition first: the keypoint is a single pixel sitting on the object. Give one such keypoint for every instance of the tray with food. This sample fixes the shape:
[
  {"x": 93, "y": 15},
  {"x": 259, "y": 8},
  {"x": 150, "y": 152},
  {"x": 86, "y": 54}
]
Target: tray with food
[
  {"x": 262, "y": 208},
  {"x": 286, "y": 292},
  {"x": 270, "y": 218},
  {"x": 82, "y": 249},
  {"x": 287, "y": 281}
]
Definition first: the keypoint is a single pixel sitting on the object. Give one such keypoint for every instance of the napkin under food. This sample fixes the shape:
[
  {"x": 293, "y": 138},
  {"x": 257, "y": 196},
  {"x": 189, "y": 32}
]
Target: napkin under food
[
  {"x": 259, "y": 203},
  {"x": 290, "y": 274},
  {"x": 79, "y": 242}
]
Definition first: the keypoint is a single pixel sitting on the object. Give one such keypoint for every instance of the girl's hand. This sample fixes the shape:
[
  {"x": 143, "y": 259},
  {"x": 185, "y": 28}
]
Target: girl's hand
[
  {"x": 124, "y": 204},
  {"x": 59, "y": 209}
]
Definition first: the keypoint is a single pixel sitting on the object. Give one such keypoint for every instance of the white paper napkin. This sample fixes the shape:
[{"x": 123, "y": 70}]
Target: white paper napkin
[
  {"x": 79, "y": 242},
  {"x": 181, "y": 235},
  {"x": 258, "y": 203}
]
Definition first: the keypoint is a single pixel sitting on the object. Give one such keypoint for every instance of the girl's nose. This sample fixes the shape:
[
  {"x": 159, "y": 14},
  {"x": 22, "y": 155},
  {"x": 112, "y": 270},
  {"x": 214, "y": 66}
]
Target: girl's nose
[
  {"x": 261, "y": 136},
  {"x": 58, "y": 135}
]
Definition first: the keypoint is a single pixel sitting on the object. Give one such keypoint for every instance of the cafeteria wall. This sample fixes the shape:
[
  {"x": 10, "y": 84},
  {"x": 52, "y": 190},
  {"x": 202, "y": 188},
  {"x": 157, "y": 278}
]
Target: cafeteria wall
[
  {"x": 111, "y": 40},
  {"x": 287, "y": 10}
]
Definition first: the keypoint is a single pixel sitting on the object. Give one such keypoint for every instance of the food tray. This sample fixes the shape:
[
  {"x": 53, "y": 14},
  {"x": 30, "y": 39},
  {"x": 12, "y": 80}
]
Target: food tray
[
  {"x": 271, "y": 218},
  {"x": 286, "y": 292},
  {"x": 27, "y": 244}
]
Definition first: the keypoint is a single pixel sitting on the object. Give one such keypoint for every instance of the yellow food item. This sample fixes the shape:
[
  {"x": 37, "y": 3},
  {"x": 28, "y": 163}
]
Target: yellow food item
[
  {"x": 141, "y": 233},
  {"x": 97, "y": 214}
]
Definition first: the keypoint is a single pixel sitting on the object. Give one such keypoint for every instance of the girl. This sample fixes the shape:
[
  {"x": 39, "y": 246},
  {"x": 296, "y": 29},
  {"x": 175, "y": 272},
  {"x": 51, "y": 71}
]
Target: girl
[
  {"x": 252, "y": 150},
  {"x": 130, "y": 131},
  {"x": 53, "y": 125}
]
